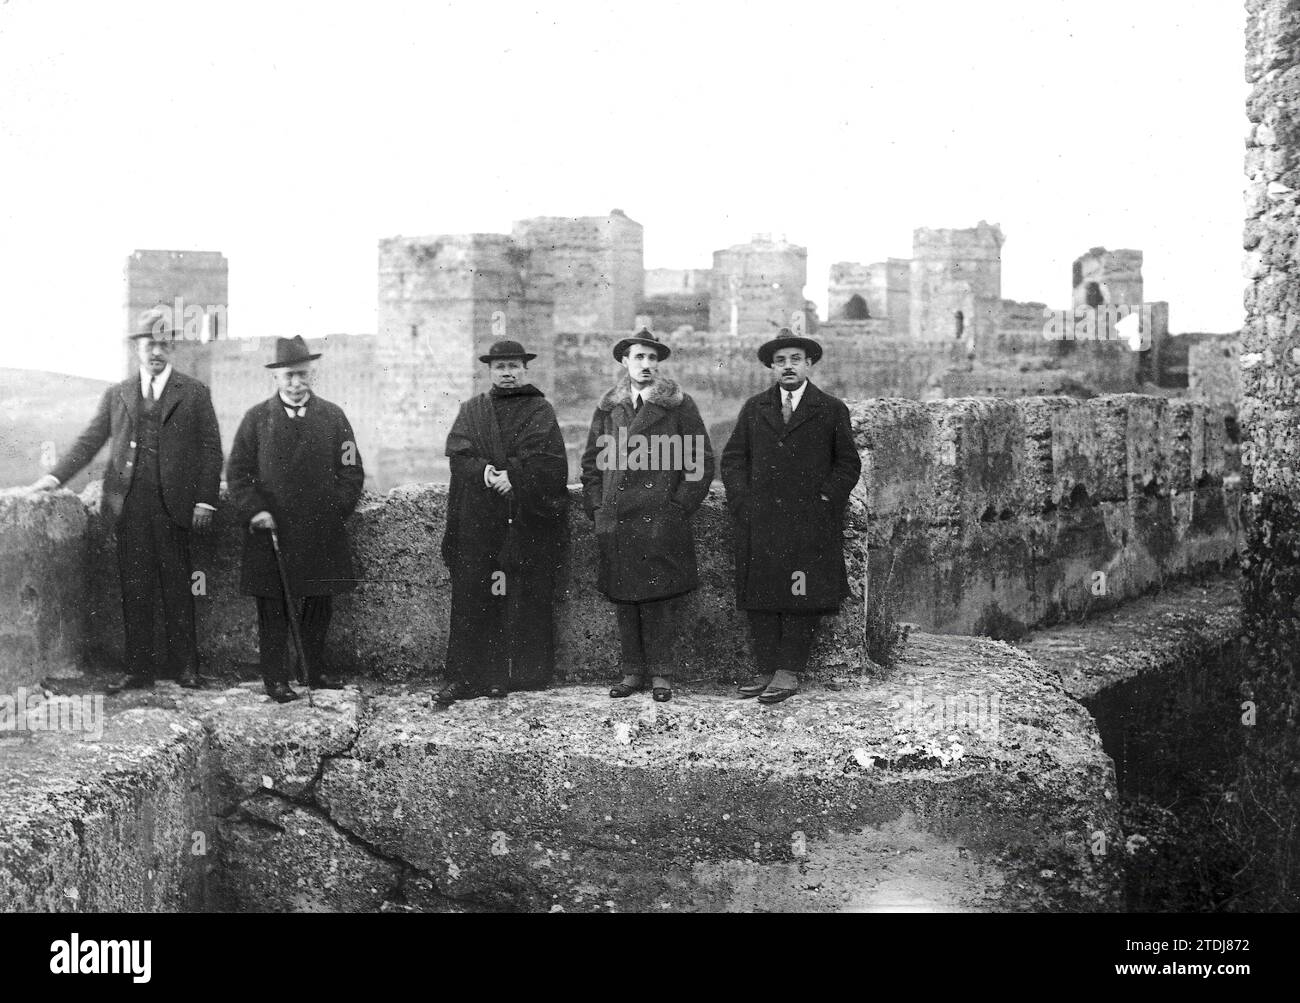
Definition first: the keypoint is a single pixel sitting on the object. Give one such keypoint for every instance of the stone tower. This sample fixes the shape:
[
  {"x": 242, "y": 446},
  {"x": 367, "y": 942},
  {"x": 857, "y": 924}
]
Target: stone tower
[
  {"x": 1102, "y": 276},
  {"x": 757, "y": 286},
  {"x": 596, "y": 264},
  {"x": 437, "y": 299},
  {"x": 956, "y": 282},
  {"x": 191, "y": 285}
]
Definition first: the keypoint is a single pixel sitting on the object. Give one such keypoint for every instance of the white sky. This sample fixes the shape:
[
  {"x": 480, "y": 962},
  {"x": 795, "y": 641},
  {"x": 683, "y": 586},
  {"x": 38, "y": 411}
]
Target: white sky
[{"x": 292, "y": 137}]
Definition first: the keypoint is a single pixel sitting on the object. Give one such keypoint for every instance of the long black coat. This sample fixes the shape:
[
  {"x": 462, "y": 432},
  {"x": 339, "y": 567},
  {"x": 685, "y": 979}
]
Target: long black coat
[
  {"x": 775, "y": 475},
  {"x": 307, "y": 473},
  {"x": 510, "y": 637},
  {"x": 642, "y": 517},
  {"x": 189, "y": 446}
]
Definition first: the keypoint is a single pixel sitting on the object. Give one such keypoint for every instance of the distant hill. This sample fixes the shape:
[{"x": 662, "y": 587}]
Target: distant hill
[{"x": 38, "y": 407}]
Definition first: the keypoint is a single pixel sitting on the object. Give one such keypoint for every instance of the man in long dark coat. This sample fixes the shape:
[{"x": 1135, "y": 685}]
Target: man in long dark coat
[
  {"x": 294, "y": 468},
  {"x": 161, "y": 482},
  {"x": 507, "y": 512},
  {"x": 646, "y": 469},
  {"x": 788, "y": 469}
]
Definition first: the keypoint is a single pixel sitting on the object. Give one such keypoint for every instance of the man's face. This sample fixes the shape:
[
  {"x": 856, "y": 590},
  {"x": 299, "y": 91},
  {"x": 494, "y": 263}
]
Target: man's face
[
  {"x": 642, "y": 364},
  {"x": 791, "y": 366},
  {"x": 294, "y": 382},
  {"x": 508, "y": 372},
  {"x": 153, "y": 355}
]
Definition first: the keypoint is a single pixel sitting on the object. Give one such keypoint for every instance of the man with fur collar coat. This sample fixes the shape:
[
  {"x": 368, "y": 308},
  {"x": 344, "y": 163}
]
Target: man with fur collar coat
[{"x": 646, "y": 469}]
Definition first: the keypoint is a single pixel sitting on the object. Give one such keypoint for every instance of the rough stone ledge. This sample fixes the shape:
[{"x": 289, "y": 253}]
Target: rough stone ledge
[
  {"x": 967, "y": 780},
  {"x": 1152, "y": 634}
]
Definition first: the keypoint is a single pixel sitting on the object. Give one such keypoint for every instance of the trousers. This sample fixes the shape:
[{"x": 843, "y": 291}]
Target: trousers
[
  {"x": 154, "y": 553},
  {"x": 273, "y": 635},
  {"x": 782, "y": 640},
  {"x": 647, "y": 633}
]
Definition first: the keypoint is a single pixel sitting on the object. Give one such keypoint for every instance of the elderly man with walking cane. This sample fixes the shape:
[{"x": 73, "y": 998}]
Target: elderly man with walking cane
[{"x": 295, "y": 470}]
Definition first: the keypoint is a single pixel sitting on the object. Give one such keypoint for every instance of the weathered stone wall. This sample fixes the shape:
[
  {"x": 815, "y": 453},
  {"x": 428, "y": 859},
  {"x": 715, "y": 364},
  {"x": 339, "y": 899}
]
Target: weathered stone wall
[
  {"x": 977, "y": 516},
  {"x": 43, "y": 562},
  {"x": 953, "y": 270},
  {"x": 988, "y": 516},
  {"x": 1214, "y": 370}
]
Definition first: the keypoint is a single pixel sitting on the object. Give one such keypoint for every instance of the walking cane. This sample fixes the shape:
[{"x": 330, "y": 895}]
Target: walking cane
[{"x": 303, "y": 670}]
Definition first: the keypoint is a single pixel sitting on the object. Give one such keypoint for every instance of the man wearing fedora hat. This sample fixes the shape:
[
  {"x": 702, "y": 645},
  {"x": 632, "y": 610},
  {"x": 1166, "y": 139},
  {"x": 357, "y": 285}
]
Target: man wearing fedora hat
[
  {"x": 507, "y": 512},
  {"x": 788, "y": 469},
  {"x": 641, "y": 502},
  {"x": 161, "y": 482},
  {"x": 294, "y": 468}
]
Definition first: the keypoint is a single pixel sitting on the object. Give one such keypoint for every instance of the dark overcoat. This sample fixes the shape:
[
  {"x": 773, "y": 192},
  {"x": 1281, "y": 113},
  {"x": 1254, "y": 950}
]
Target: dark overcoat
[
  {"x": 307, "y": 473},
  {"x": 642, "y": 516},
  {"x": 496, "y": 638},
  {"x": 189, "y": 446},
  {"x": 775, "y": 475}
]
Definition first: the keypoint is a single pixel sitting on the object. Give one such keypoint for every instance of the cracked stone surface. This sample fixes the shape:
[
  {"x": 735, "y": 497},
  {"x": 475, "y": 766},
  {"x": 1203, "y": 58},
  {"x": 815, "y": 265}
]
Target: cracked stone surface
[
  {"x": 968, "y": 779},
  {"x": 1146, "y": 635}
]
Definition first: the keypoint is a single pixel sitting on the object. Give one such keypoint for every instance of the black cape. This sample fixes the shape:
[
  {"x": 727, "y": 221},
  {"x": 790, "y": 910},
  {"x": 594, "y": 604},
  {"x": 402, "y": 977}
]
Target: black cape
[{"x": 503, "y": 551}]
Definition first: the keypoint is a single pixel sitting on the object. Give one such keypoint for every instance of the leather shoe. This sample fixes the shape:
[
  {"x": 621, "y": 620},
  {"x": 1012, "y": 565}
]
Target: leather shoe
[
  {"x": 620, "y": 690},
  {"x": 453, "y": 691},
  {"x": 754, "y": 687},
  {"x": 497, "y": 692},
  {"x": 137, "y": 681},
  {"x": 770, "y": 695},
  {"x": 189, "y": 679},
  {"x": 662, "y": 694},
  {"x": 281, "y": 693}
]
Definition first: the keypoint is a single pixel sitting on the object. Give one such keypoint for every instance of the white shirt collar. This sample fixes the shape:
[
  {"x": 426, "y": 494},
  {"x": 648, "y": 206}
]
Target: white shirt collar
[
  {"x": 640, "y": 392},
  {"x": 796, "y": 394},
  {"x": 159, "y": 381},
  {"x": 294, "y": 410}
]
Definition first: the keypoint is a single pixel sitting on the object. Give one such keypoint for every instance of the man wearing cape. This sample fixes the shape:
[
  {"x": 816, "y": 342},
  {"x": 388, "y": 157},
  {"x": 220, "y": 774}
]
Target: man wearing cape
[{"x": 507, "y": 523}]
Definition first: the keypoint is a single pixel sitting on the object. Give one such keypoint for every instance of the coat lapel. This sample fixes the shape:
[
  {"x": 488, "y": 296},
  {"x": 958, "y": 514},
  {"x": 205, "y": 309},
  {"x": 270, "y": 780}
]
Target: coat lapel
[
  {"x": 172, "y": 395},
  {"x": 770, "y": 408},
  {"x": 129, "y": 393}
]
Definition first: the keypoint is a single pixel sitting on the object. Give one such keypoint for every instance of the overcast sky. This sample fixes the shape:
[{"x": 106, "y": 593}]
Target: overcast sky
[{"x": 292, "y": 137}]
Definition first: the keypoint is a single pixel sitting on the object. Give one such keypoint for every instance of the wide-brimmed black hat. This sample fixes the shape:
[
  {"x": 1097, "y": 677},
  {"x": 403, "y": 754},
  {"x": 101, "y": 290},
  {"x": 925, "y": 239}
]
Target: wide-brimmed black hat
[
  {"x": 155, "y": 324},
  {"x": 788, "y": 339},
  {"x": 507, "y": 350},
  {"x": 642, "y": 337},
  {"x": 291, "y": 352}
]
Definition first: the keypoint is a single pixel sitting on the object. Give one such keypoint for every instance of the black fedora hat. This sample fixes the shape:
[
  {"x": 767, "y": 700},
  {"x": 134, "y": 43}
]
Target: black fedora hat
[
  {"x": 290, "y": 352},
  {"x": 788, "y": 339},
  {"x": 642, "y": 337},
  {"x": 154, "y": 323},
  {"x": 507, "y": 350}
]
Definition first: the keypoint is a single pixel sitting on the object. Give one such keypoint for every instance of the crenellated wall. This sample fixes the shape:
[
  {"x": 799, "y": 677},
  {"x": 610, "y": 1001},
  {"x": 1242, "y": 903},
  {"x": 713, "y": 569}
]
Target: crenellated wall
[{"x": 973, "y": 515}]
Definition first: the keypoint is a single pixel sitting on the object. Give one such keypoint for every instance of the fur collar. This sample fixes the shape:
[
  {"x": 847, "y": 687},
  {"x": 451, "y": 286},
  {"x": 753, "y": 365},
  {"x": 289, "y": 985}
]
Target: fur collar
[{"x": 663, "y": 392}]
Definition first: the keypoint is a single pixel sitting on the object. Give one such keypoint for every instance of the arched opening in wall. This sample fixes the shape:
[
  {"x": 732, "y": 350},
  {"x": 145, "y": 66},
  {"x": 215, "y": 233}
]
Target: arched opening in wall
[
  {"x": 855, "y": 309},
  {"x": 958, "y": 323},
  {"x": 1093, "y": 294}
]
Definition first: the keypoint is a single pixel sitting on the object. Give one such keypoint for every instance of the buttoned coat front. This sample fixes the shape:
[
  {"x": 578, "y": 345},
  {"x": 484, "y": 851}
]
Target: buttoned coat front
[
  {"x": 789, "y": 541},
  {"x": 642, "y": 516},
  {"x": 307, "y": 473}
]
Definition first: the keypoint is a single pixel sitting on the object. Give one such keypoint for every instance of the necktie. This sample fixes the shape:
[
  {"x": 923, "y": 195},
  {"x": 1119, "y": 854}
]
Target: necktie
[
  {"x": 151, "y": 398},
  {"x": 636, "y": 402},
  {"x": 787, "y": 408}
]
